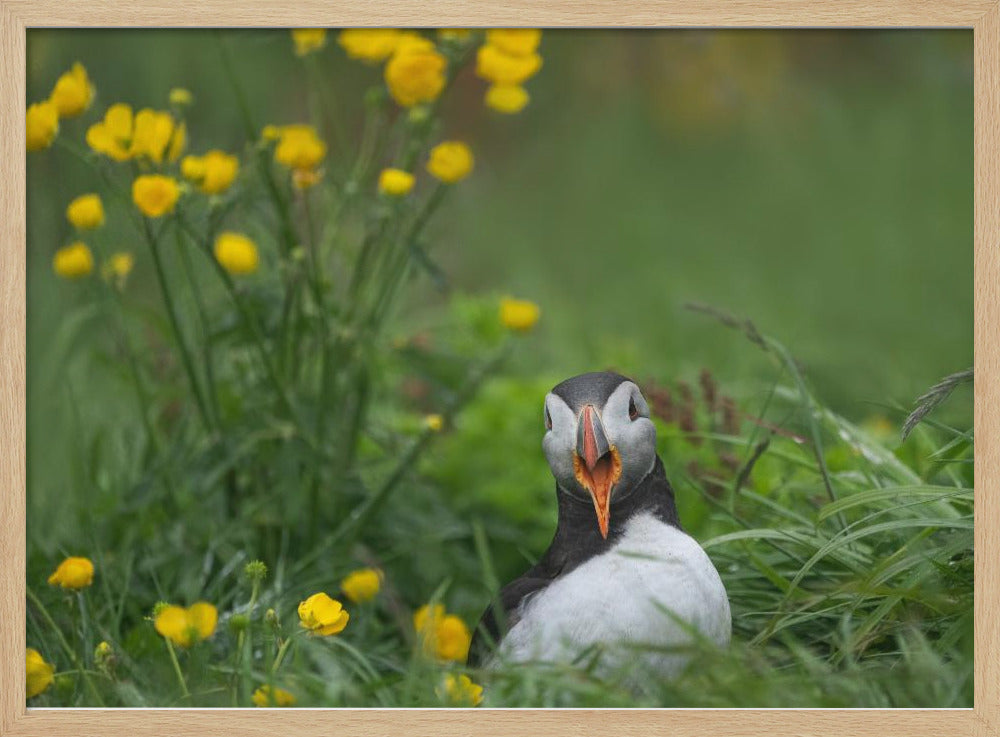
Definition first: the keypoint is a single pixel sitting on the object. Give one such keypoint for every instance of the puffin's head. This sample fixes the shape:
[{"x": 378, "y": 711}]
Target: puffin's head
[{"x": 599, "y": 439}]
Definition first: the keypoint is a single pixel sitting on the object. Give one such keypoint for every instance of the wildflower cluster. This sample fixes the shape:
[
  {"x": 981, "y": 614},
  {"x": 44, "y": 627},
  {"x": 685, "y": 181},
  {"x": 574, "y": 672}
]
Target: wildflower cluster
[
  {"x": 507, "y": 60},
  {"x": 70, "y": 97},
  {"x": 279, "y": 261}
]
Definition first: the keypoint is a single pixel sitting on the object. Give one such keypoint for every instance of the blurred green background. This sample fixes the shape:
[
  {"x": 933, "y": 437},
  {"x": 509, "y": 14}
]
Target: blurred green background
[{"x": 817, "y": 182}]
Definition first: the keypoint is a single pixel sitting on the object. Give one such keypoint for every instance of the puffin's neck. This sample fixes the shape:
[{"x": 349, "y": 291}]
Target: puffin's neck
[{"x": 578, "y": 537}]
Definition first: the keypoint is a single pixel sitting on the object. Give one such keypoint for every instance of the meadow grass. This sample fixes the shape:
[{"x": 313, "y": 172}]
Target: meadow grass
[
  {"x": 261, "y": 425},
  {"x": 862, "y": 599}
]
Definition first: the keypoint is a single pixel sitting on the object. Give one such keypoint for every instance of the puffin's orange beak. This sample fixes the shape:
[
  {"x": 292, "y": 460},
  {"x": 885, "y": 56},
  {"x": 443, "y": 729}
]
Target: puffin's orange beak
[{"x": 596, "y": 464}]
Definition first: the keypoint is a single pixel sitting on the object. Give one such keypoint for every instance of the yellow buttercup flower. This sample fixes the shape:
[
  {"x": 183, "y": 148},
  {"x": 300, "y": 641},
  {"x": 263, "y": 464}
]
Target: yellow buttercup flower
[
  {"x": 395, "y": 182},
  {"x": 41, "y": 125},
  {"x": 307, "y": 40},
  {"x": 453, "y": 639},
  {"x": 322, "y": 615},
  {"x": 73, "y": 573},
  {"x": 412, "y": 41},
  {"x": 519, "y": 315},
  {"x": 193, "y": 168},
  {"x": 507, "y": 98},
  {"x": 426, "y": 618},
  {"x": 185, "y": 627},
  {"x": 118, "y": 267},
  {"x": 180, "y": 97},
  {"x": 514, "y": 41},
  {"x": 73, "y": 262},
  {"x": 450, "y": 161},
  {"x": 442, "y": 635},
  {"x": 270, "y": 132},
  {"x": 361, "y": 585},
  {"x": 236, "y": 253},
  {"x": 113, "y": 135},
  {"x": 178, "y": 142},
  {"x": 73, "y": 92},
  {"x": 155, "y": 195},
  {"x": 494, "y": 65},
  {"x": 38, "y": 672},
  {"x": 267, "y": 696},
  {"x": 415, "y": 73},
  {"x": 434, "y": 423},
  {"x": 213, "y": 173},
  {"x": 86, "y": 212},
  {"x": 299, "y": 147},
  {"x": 369, "y": 44},
  {"x": 461, "y": 691},
  {"x": 152, "y": 133}
]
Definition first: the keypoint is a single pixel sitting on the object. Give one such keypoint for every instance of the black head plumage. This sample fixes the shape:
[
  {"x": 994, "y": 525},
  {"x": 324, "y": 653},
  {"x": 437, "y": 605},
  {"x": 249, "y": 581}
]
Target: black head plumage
[{"x": 593, "y": 388}]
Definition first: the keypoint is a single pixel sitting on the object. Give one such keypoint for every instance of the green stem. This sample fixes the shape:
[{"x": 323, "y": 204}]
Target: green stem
[
  {"x": 249, "y": 322},
  {"x": 254, "y": 591},
  {"x": 206, "y": 333},
  {"x": 175, "y": 325},
  {"x": 244, "y": 654},
  {"x": 391, "y": 285},
  {"x": 88, "y": 643},
  {"x": 281, "y": 655},
  {"x": 241, "y": 98},
  {"x": 288, "y": 236},
  {"x": 121, "y": 337},
  {"x": 177, "y": 668},
  {"x": 65, "y": 644},
  {"x": 315, "y": 264},
  {"x": 364, "y": 512},
  {"x": 329, "y": 104},
  {"x": 250, "y": 127},
  {"x": 91, "y": 161}
]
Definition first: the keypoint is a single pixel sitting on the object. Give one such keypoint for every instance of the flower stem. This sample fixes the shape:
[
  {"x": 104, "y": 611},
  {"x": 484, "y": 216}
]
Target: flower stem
[
  {"x": 177, "y": 668},
  {"x": 175, "y": 324},
  {"x": 391, "y": 284},
  {"x": 65, "y": 645},
  {"x": 288, "y": 231},
  {"x": 206, "y": 333},
  {"x": 328, "y": 104},
  {"x": 281, "y": 655},
  {"x": 120, "y": 334},
  {"x": 366, "y": 510},
  {"x": 250, "y": 323},
  {"x": 84, "y": 624}
]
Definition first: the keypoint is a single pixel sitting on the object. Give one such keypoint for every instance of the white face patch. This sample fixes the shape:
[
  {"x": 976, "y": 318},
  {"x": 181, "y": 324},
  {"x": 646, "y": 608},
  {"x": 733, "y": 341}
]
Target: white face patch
[
  {"x": 559, "y": 442},
  {"x": 625, "y": 416},
  {"x": 634, "y": 437}
]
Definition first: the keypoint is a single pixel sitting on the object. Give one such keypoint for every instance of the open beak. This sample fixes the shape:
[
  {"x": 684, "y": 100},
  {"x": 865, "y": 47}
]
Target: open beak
[{"x": 596, "y": 464}]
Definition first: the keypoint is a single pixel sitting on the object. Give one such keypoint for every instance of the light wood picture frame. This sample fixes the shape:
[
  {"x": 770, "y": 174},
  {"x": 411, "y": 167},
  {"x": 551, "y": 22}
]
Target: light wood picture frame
[{"x": 982, "y": 16}]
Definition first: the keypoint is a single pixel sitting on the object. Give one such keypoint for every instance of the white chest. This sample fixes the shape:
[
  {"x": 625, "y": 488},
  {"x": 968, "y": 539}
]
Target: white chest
[{"x": 637, "y": 600}]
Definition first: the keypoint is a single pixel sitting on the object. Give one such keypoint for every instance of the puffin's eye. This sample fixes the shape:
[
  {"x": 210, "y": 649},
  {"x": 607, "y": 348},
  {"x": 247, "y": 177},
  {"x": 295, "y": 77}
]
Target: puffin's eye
[
  {"x": 633, "y": 411},
  {"x": 548, "y": 419}
]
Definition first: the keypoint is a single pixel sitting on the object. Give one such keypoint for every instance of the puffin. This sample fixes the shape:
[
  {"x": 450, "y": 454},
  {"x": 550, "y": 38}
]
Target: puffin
[{"x": 622, "y": 585}]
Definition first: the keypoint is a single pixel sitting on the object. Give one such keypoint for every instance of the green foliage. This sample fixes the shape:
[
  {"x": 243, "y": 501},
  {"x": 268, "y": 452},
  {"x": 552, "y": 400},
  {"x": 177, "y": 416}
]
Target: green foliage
[
  {"x": 492, "y": 463},
  {"x": 847, "y": 552}
]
